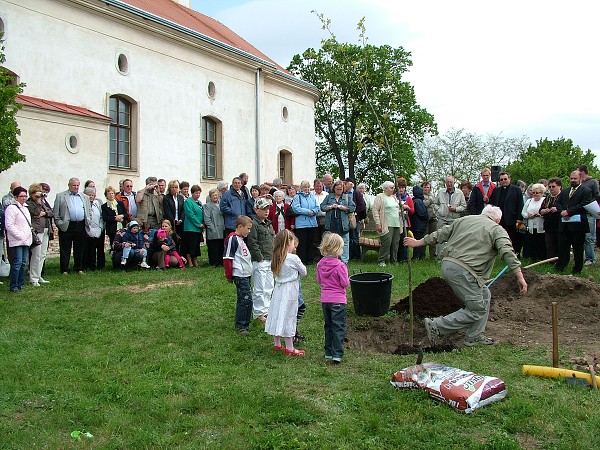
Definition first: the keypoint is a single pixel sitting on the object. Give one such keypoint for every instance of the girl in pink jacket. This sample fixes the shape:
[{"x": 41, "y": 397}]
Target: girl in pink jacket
[{"x": 332, "y": 275}]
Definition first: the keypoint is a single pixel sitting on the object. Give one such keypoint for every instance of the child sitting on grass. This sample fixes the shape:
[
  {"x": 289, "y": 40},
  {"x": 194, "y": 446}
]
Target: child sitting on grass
[
  {"x": 238, "y": 270},
  {"x": 332, "y": 275},
  {"x": 287, "y": 268},
  {"x": 164, "y": 249},
  {"x": 134, "y": 240}
]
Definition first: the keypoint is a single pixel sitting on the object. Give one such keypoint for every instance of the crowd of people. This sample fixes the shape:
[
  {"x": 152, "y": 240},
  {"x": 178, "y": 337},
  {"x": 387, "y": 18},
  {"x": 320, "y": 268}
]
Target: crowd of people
[{"x": 163, "y": 225}]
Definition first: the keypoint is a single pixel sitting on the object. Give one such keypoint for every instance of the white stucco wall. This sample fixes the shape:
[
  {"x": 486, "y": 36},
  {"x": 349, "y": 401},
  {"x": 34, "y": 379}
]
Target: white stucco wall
[{"x": 66, "y": 53}]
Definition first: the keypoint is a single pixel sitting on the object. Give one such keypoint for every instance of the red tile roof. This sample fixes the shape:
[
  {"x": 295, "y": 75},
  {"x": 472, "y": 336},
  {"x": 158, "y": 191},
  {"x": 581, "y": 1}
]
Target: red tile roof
[
  {"x": 186, "y": 17},
  {"x": 34, "y": 102}
]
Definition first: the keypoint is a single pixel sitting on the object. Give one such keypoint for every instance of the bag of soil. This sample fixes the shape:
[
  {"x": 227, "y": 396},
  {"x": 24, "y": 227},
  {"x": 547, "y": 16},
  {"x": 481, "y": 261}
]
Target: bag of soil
[{"x": 463, "y": 391}]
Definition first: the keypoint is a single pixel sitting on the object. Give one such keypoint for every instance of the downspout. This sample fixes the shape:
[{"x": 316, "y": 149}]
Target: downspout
[{"x": 257, "y": 126}]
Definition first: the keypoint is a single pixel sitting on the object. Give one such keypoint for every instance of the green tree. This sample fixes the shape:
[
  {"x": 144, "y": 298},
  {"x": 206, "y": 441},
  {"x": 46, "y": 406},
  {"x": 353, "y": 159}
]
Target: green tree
[
  {"x": 9, "y": 144},
  {"x": 367, "y": 118},
  {"x": 463, "y": 154},
  {"x": 549, "y": 159}
]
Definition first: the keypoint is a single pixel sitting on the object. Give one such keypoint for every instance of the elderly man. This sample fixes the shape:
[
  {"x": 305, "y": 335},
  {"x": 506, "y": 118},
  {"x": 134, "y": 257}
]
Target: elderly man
[
  {"x": 590, "y": 236},
  {"x": 468, "y": 259},
  {"x": 234, "y": 204},
  {"x": 328, "y": 183},
  {"x": 72, "y": 212},
  {"x": 448, "y": 205},
  {"x": 361, "y": 214},
  {"x": 573, "y": 223},
  {"x": 127, "y": 196},
  {"x": 150, "y": 213},
  {"x": 509, "y": 199}
]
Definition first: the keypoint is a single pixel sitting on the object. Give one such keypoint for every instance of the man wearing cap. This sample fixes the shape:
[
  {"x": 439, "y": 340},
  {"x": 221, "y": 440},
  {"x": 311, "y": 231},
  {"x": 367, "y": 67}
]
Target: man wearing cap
[
  {"x": 260, "y": 244},
  {"x": 361, "y": 214},
  {"x": 72, "y": 212}
]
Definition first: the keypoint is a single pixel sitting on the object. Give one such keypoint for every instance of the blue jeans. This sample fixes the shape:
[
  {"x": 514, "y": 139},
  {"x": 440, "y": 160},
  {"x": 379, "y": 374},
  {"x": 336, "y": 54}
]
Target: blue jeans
[
  {"x": 590, "y": 240},
  {"x": 243, "y": 308},
  {"x": 334, "y": 315},
  {"x": 19, "y": 264},
  {"x": 346, "y": 255}
]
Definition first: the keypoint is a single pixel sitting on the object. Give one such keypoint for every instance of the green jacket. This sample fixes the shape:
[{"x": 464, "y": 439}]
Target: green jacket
[
  {"x": 475, "y": 241},
  {"x": 261, "y": 240}
]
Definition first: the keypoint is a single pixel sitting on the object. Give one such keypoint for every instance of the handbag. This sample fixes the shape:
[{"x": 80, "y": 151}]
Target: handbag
[
  {"x": 351, "y": 217},
  {"x": 290, "y": 212},
  {"x": 4, "y": 264},
  {"x": 35, "y": 240}
]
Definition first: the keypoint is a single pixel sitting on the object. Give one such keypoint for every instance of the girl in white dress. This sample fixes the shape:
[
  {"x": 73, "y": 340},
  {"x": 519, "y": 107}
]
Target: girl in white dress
[{"x": 287, "y": 268}]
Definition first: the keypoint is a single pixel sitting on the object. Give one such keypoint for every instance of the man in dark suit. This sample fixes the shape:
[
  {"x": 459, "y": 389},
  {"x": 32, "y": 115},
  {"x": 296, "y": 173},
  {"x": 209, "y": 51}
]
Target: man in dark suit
[
  {"x": 72, "y": 211},
  {"x": 573, "y": 223},
  {"x": 509, "y": 199}
]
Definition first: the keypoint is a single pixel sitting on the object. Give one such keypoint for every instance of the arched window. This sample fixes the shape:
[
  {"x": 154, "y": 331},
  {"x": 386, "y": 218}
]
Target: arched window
[
  {"x": 120, "y": 133},
  {"x": 285, "y": 166},
  {"x": 211, "y": 148}
]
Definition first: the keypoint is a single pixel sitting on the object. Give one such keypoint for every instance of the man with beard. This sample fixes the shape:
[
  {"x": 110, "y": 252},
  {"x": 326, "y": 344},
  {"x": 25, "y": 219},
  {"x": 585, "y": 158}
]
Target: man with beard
[{"x": 573, "y": 223}]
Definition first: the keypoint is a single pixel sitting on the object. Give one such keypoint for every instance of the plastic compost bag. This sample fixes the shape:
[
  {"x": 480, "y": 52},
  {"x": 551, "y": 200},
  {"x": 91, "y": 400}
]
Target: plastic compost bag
[{"x": 463, "y": 391}]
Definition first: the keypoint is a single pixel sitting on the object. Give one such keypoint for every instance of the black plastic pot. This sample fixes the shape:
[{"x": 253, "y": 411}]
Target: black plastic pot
[{"x": 371, "y": 293}]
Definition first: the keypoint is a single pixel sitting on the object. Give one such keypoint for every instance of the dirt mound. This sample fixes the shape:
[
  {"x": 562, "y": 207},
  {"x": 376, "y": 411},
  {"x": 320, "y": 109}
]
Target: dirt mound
[{"x": 520, "y": 320}]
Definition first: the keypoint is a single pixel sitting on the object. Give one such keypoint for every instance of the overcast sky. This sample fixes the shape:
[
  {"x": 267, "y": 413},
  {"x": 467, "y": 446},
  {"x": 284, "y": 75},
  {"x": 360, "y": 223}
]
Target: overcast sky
[{"x": 518, "y": 68}]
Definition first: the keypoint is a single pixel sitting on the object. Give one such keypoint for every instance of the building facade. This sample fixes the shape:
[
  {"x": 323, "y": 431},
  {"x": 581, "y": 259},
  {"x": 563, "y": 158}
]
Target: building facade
[{"x": 137, "y": 88}]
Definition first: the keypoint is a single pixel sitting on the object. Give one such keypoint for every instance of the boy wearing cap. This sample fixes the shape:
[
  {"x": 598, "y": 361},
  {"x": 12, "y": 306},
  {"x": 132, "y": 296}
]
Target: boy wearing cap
[
  {"x": 135, "y": 241},
  {"x": 260, "y": 243}
]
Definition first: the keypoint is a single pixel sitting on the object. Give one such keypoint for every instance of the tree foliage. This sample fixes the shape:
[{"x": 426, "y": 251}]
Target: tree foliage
[
  {"x": 9, "y": 144},
  {"x": 547, "y": 159},
  {"x": 367, "y": 118},
  {"x": 463, "y": 154}
]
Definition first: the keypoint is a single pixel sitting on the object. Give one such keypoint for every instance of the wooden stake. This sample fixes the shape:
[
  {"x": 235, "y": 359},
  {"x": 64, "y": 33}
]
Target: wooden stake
[{"x": 554, "y": 334}]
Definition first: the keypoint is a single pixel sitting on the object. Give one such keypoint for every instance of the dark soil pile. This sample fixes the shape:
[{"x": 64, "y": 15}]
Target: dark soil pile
[{"x": 521, "y": 320}]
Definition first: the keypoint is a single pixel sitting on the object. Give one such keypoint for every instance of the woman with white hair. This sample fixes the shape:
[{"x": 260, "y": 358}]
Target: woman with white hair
[
  {"x": 386, "y": 213},
  {"x": 535, "y": 239},
  {"x": 277, "y": 213}
]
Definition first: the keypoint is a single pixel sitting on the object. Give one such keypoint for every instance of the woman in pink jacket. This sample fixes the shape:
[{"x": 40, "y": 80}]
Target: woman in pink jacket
[{"x": 17, "y": 221}]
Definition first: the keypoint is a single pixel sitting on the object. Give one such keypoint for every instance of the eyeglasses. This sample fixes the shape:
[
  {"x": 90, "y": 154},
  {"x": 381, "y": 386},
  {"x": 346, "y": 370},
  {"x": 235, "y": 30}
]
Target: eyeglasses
[
  {"x": 503, "y": 179},
  {"x": 536, "y": 192}
]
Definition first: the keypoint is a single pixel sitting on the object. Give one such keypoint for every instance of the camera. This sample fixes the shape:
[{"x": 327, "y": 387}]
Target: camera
[{"x": 43, "y": 195}]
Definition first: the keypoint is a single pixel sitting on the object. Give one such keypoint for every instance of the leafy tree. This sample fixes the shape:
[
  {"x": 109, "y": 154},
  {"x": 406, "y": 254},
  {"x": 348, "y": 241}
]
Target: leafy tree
[
  {"x": 549, "y": 159},
  {"x": 367, "y": 118},
  {"x": 463, "y": 155},
  {"x": 9, "y": 144}
]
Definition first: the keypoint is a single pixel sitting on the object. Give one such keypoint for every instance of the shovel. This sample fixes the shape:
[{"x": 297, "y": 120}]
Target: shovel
[{"x": 539, "y": 263}]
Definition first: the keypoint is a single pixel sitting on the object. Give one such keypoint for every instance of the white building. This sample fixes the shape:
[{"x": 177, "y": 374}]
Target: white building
[{"x": 132, "y": 88}]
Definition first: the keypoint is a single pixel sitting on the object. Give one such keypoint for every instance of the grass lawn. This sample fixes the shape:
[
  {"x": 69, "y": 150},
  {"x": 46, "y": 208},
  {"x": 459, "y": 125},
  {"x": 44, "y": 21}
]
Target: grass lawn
[{"x": 151, "y": 360}]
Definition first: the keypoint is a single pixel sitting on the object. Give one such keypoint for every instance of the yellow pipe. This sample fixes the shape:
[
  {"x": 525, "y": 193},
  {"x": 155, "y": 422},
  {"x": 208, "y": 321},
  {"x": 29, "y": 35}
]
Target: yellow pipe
[{"x": 553, "y": 372}]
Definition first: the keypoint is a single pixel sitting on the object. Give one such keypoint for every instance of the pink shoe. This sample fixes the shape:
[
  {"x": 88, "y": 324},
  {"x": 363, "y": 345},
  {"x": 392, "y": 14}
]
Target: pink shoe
[{"x": 278, "y": 348}]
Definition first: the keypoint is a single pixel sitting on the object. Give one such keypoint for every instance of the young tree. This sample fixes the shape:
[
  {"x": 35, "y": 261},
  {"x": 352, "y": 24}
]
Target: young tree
[
  {"x": 9, "y": 144},
  {"x": 549, "y": 159},
  {"x": 463, "y": 154},
  {"x": 367, "y": 117}
]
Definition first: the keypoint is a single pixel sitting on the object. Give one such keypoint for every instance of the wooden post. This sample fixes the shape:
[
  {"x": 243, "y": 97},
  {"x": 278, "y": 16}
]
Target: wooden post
[{"x": 554, "y": 334}]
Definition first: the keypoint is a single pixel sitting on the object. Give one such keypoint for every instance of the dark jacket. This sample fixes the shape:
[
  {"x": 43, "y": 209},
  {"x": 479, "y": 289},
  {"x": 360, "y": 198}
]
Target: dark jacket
[
  {"x": 108, "y": 216},
  {"x": 420, "y": 218},
  {"x": 574, "y": 206},
  {"x": 234, "y": 205},
  {"x": 39, "y": 223},
  {"x": 169, "y": 208},
  {"x": 513, "y": 204}
]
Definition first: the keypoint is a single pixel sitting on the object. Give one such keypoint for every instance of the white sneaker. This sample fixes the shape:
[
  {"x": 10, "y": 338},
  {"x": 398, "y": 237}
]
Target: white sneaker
[
  {"x": 41, "y": 280},
  {"x": 381, "y": 264},
  {"x": 35, "y": 283},
  {"x": 588, "y": 262},
  {"x": 144, "y": 265},
  {"x": 123, "y": 262}
]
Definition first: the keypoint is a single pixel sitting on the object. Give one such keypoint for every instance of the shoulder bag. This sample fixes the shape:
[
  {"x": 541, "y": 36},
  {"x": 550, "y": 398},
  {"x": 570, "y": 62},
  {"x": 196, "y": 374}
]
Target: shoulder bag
[{"x": 35, "y": 240}]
